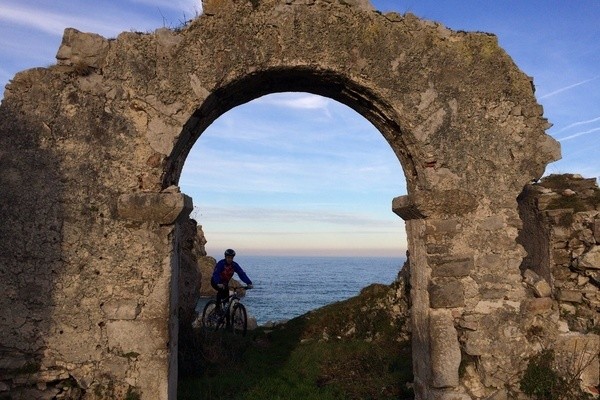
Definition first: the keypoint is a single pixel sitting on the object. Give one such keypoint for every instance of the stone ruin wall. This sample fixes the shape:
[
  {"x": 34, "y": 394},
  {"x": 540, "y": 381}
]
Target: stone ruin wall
[
  {"x": 196, "y": 267},
  {"x": 561, "y": 234},
  {"x": 92, "y": 147}
]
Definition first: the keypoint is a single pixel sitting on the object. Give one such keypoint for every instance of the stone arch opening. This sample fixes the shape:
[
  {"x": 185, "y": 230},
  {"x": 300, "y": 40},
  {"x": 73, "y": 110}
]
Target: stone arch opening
[
  {"x": 283, "y": 133},
  {"x": 345, "y": 235},
  {"x": 253, "y": 86},
  {"x": 278, "y": 80}
]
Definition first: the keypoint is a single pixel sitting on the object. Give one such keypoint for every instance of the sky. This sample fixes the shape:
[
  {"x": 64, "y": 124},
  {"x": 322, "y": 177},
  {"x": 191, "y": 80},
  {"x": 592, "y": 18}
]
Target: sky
[{"x": 299, "y": 174}]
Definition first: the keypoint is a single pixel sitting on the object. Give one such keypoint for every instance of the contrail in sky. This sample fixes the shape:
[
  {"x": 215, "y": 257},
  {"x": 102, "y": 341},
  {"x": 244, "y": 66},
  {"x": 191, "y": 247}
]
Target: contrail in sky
[
  {"x": 589, "y": 121},
  {"x": 578, "y": 134},
  {"x": 568, "y": 87}
]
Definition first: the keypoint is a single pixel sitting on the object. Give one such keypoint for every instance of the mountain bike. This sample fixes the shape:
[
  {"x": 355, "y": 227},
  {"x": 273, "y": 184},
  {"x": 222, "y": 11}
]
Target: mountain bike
[{"x": 232, "y": 316}]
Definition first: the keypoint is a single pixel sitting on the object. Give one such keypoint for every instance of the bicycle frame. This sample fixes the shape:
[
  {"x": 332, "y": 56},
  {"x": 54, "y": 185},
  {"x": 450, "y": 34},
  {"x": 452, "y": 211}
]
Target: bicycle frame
[
  {"x": 233, "y": 314},
  {"x": 230, "y": 300}
]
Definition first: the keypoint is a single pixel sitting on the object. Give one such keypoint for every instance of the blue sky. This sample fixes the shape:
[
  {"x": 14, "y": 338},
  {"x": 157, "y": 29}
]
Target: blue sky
[{"x": 302, "y": 174}]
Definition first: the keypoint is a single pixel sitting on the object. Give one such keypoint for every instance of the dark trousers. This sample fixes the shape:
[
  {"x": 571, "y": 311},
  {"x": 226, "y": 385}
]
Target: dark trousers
[{"x": 221, "y": 293}]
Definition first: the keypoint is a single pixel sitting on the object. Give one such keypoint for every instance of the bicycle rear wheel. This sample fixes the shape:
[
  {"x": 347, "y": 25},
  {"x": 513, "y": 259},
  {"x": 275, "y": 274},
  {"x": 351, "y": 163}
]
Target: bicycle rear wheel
[
  {"x": 239, "y": 320},
  {"x": 210, "y": 316}
]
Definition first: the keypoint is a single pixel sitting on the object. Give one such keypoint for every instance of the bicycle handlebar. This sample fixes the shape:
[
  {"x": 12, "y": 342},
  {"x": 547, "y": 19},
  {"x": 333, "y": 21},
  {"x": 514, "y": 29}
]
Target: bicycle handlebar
[{"x": 235, "y": 293}]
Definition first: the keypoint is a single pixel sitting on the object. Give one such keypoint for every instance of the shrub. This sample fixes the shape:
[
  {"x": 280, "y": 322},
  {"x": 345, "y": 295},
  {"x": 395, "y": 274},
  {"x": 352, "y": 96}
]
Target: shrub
[{"x": 542, "y": 379}]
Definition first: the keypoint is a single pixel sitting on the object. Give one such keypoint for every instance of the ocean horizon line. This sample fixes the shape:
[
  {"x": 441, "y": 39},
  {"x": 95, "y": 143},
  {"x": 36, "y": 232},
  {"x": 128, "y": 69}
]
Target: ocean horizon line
[{"x": 242, "y": 254}]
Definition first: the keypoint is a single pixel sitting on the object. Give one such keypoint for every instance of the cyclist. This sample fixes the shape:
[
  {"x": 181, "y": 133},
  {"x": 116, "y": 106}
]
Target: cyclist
[{"x": 223, "y": 273}]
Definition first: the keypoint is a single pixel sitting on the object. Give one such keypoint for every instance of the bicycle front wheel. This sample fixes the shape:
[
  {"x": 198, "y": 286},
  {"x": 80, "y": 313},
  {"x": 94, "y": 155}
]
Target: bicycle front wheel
[
  {"x": 239, "y": 320},
  {"x": 210, "y": 316}
]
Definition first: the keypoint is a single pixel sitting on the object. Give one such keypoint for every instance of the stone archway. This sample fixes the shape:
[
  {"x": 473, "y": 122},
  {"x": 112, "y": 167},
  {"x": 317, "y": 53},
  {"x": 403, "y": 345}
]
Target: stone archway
[{"x": 92, "y": 147}]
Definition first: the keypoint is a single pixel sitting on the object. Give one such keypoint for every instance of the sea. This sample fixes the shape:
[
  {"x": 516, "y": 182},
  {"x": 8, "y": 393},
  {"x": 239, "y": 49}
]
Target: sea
[{"x": 287, "y": 287}]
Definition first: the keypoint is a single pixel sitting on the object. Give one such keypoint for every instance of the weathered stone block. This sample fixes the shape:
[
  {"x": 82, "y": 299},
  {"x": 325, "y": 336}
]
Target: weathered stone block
[
  {"x": 361, "y": 4},
  {"x": 163, "y": 208},
  {"x": 561, "y": 256},
  {"x": 123, "y": 309},
  {"x": 572, "y": 296},
  {"x": 34, "y": 393},
  {"x": 488, "y": 307},
  {"x": 597, "y": 230},
  {"x": 594, "y": 276},
  {"x": 561, "y": 233},
  {"x": 493, "y": 223},
  {"x": 500, "y": 394},
  {"x": 446, "y": 293},
  {"x": 119, "y": 364},
  {"x": 490, "y": 293},
  {"x": 538, "y": 305},
  {"x": 445, "y": 349},
  {"x": 540, "y": 287},
  {"x": 561, "y": 273},
  {"x": 10, "y": 361},
  {"x": 469, "y": 322},
  {"x": 207, "y": 265},
  {"x": 82, "y": 49},
  {"x": 462, "y": 201},
  {"x": 560, "y": 245},
  {"x": 161, "y": 134},
  {"x": 451, "y": 267},
  {"x": 212, "y": 7},
  {"x": 405, "y": 208},
  {"x": 591, "y": 259},
  {"x": 446, "y": 394},
  {"x": 139, "y": 336},
  {"x": 490, "y": 262},
  {"x": 442, "y": 227},
  {"x": 436, "y": 248},
  {"x": 75, "y": 343}
]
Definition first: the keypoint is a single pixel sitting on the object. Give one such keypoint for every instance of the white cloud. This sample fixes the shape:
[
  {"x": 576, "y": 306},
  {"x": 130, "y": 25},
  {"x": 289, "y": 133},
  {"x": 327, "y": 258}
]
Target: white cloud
[
  {"x": 259, "y": 216},
  {"x": 46, "y": 22},
  {"x": 296, "y": 131},
  {"x": 54, "y": 23},
  {"x": 301, "y": 101},
  {"x": 109, "y": 20},
  {"x": 259, "y": 173}
]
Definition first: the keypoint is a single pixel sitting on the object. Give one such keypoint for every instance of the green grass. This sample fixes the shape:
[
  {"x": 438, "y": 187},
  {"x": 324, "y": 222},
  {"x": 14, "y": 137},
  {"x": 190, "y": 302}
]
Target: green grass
[{"x": 363, "y": 357}]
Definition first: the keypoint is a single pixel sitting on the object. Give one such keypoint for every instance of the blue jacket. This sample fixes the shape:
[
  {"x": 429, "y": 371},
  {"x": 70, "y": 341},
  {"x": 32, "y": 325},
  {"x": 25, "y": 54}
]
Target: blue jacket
[{"x": 223, "y": 273}]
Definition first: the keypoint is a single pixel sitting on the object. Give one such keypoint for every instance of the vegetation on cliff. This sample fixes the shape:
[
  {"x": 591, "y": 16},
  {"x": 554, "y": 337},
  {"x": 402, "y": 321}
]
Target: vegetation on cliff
[
  {"x": 354, "y": 349},
  {"x": 572, "y": 192}
]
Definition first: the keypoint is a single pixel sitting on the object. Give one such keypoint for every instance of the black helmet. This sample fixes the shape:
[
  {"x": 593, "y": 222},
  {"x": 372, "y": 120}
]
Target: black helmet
[{"x": 230, "y": 252}]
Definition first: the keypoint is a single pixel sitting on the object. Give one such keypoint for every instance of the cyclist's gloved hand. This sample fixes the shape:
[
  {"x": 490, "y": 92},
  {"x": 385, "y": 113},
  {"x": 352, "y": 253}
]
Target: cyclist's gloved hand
[
  {"x": 221, "y": 286},
  {"x": 249, "y": 286}
]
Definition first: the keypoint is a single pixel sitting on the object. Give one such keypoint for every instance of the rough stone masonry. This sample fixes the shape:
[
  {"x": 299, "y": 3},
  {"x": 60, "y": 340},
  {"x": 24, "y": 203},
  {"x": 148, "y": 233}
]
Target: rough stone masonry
[{"x": 91, "y": 150}]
